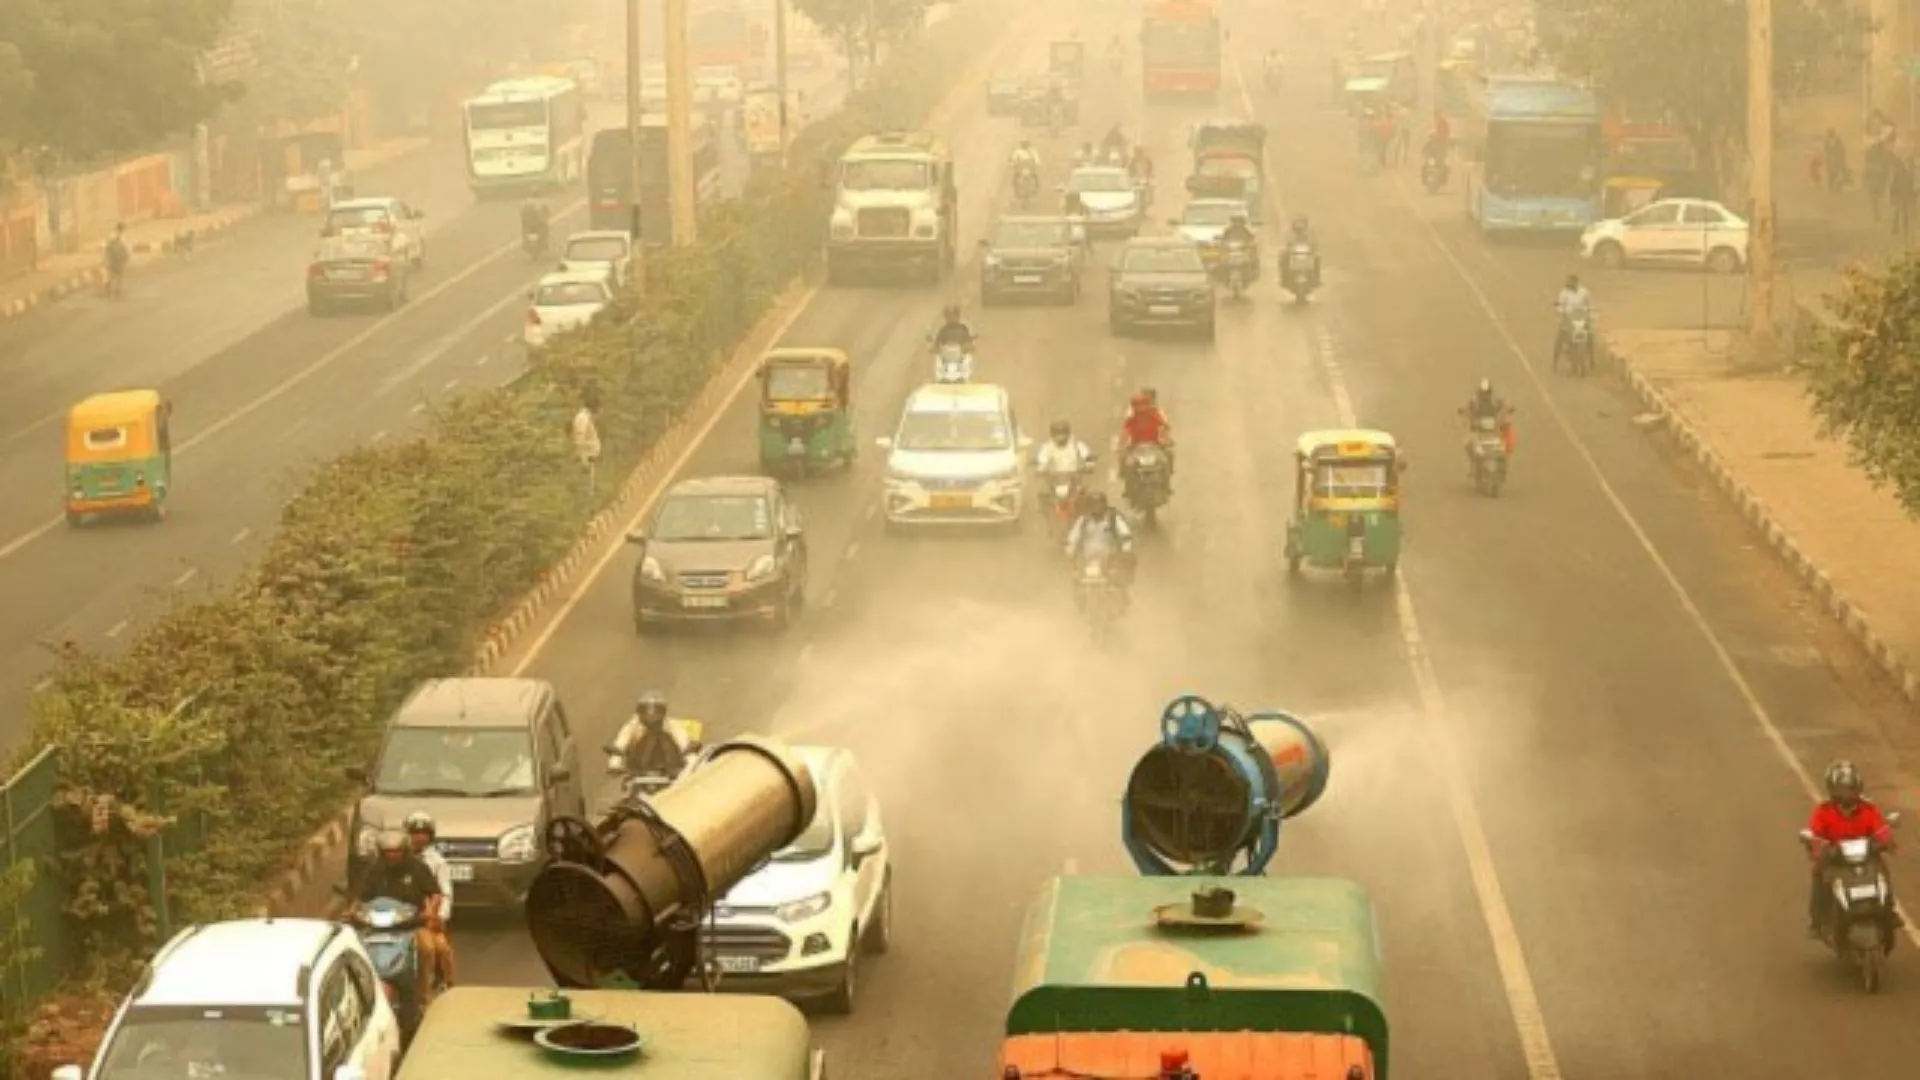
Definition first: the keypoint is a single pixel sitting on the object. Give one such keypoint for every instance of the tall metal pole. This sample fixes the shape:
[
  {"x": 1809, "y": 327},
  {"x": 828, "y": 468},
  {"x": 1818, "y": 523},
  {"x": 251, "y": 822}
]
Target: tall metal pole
[
  {"x": 680, "y": 126},
  {"x": 1760, "y": 330},
  {"x": 636, "y": 167},
  {"x": 780, "y": 71}
]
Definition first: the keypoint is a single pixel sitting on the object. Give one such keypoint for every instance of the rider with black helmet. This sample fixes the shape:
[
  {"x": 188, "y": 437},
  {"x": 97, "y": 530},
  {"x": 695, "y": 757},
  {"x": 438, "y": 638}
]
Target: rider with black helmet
[
  {"x": 953, "y": 329},
  {"x": 1846, "y": 815},
  {"x": 649, "y": 743}
]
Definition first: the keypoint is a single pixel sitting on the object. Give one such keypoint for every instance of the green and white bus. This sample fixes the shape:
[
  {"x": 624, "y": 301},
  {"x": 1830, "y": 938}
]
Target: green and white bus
[{"x": 526, "y": 135}]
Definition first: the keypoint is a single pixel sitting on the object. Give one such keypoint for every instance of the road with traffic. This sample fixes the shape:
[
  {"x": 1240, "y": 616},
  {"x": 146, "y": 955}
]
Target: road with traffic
[
  {"x": 263, "y": 391},
  {"x": 1570, "y": 743}
]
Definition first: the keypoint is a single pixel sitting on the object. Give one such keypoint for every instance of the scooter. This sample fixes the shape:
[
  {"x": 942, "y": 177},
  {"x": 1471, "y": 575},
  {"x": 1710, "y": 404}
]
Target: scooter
[
  {"x": 1099, "y": 596},
  {"x": 386, "y": 927},
  {"x": 1576, "y": 344},
  {"x": 1861, "y": 924},
  {"x": 952, "y": 365},
  {"x": 1235, "y": 260},
  {"x": 1060, "y": 503},
  {"x": 1146, "y": 476},
  {"x": 535, "y": 243},
  {"x": 1489, "y": 451},
  {"x": 1433, "y": 175},
  {"x": 1273, "y": 80},
  {"x": 1026, "y": 185},
  {"x": 1300, "y": 271}
]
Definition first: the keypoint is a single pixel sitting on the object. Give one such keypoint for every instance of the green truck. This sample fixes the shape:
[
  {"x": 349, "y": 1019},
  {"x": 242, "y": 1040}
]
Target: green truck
[{"x": 1263, "y": 978}]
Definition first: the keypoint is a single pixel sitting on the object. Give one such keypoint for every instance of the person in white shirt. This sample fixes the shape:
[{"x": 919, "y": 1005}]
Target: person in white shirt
[
  {"x": 1062, "y": 457},
  {"x": 1025, "y": 155},
  {"x": 1574, "y": 300},
  {"x": 424, "y": 834}
]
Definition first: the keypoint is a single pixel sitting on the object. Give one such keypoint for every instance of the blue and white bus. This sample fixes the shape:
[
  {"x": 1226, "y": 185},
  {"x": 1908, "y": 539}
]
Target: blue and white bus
[
  {"x": 1535, "y": 154},
  {"x": 526, "y": 134}
]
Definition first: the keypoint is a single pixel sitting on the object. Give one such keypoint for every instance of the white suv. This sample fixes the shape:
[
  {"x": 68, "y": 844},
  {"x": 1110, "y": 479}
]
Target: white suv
[
  {"x": 956, "y": 459},
  {"x": 249, "y": 998},
  {"x": 798, "y": 925}
]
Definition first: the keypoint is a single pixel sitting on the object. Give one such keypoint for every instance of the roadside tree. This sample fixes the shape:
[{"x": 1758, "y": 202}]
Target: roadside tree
[
  {"x": 1863, "y": 374},
  {"x": 862, "y": 26}
]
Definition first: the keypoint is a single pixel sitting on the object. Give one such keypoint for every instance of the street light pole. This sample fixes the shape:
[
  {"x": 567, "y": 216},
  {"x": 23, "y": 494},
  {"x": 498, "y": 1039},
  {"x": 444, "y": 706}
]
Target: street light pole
[
  {"x": 686, "y": 213},
  {"x": 636, "y": 170},
  {"x": 1760, "y": 328},
  {"x": 780, "y": 71}
]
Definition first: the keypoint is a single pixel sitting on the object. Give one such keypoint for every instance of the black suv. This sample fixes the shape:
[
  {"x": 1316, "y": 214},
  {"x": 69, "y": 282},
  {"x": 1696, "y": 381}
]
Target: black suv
[
  {"x": 1032, "y": 256},
  {"x": 1160, "y": 281}
]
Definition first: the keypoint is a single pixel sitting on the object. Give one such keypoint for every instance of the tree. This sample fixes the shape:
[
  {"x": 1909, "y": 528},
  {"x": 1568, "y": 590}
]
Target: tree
[
  {"x": 1690, "y": 58},
  {"x": 305, "y": 64},
  {"x": 862, "y": 25},
  {"x": 1863, "y": 374},
  {"x": 106, "y": 77}
]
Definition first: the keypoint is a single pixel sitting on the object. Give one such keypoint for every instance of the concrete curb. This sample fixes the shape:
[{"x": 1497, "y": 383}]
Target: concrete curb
[
  {"x": 1843, "y": 610},
  {"x": 283, "y": 896},
  {"x": 144, "y": 252}
]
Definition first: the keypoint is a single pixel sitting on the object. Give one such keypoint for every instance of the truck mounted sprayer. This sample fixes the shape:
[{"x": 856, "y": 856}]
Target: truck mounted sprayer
[{"x": 1203, "y": 967}]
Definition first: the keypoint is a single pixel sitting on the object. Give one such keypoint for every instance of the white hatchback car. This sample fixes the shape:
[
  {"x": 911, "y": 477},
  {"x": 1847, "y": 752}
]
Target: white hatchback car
[
  {"x": 601, "y": 251},
  {"x": 563, "y": 302},
  {"x": 798, "y": 925},
  {"x": 391, "y": 218},
  {"x": 957, "y": 459},
  {"x": 1670, "y": 232},
  {"x": 253, "y": 997}
]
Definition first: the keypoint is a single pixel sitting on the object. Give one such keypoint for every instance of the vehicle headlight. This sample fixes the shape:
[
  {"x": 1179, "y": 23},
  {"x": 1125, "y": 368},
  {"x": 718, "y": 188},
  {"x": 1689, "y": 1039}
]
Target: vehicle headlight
[
  {"x": 991, "y": 262},
  {"x": 517, "y": 846},
  {"x": 842, "y": 223},
  {"x": 651, "y": 570},
  {"x": 925, "y": 223},
  {"x": 761, "y": 568},
  {"x": 805, "y": 908},
  {"x": 900, "y": 479},
  {"x": 368, "y": 841}
]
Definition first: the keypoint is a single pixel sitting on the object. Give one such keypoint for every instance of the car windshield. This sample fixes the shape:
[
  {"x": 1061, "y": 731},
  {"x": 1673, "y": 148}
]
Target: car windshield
[
  {"x": 886, "y": 174},
  {"x": 954, "y": 430},
  {"x": 571, "y": 294},
  {"x": 1352, "y": 479},
  {"x": 1236, "y": 167},
  {"x": 1031, "y": 234},
  {"x": 357, "y": 217},
  {"x": 795, "y": 383},
  {"x": 1162, "y": 260},
  {"x": 815, "y": 842},
  {"x": 456, "y": 762},
  {"x": 692, "y": 518},
  {"x": 233, "y": 1043},
  {"x": 1212, "y": 213},
  {"x": 596, "y": 249},
  {"x": 1099, "y": 180}
]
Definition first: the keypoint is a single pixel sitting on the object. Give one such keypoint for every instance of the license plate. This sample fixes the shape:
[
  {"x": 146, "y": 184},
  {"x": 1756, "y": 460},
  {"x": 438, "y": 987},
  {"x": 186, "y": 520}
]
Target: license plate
[
  {"x": 460, "y": 871},
  {"x": 952, "y": 502},
  {"x": 350, "y": 274},
  {"x": 1164, "y": 309},
  {"x": 740, "y": 965},
  {"x": 1026, "y": 279},
  {"x": 703, "y": 602}
]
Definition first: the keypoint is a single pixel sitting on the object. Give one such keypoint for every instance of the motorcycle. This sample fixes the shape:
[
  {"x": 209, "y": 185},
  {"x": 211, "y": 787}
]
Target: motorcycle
[
  {"x": 1026, "y": 184},
  {"x": 1488, "y": 449},
  {"x": 1860, "y": 924},
  {"x": 1433, "y": 175},
  {"x": 1147, "y": 474},
  {"x": 1234, "y": 261},
  {"x": 1117, "y": 61},
  {"x": 952, "y": 364},
  {"x": 1273, "y": 79},
  {"x": 642, "y": 780},
  {"x": 386, "y": 927},
  {"x": 1060, "y": 503},
  {"x": 1576, "y": 344},
  {"x": 1099, "y": 594},
  {"x": 1354, "y": 566},
  {"x": 1300, "y": 271},
  {"x": 534, "y": 240}
]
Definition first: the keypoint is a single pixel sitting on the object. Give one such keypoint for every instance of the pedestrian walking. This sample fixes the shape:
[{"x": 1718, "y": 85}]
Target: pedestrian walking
[
  {"x": 1833, "y": 152},
  {"x": 1900, "y": 195}
]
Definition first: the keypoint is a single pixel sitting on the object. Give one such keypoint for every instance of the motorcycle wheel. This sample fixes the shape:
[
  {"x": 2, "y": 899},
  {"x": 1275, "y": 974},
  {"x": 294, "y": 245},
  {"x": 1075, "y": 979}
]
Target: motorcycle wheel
[
  {"x": 1356, "y": 577},
  {"x": 1868, "y": 961}
]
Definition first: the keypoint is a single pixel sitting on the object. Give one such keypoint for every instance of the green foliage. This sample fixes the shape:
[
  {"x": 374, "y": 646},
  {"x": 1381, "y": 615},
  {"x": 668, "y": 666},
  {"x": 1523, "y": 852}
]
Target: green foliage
[
  {"x": 306, "y": 58},
  {"x": 104, "y": 78},
  {"x": 225, "y": 727},
  {"x": 864, "y": 24},
  {"x": 1691, "y": 58},
  {"x": 1863, "y": 374}
]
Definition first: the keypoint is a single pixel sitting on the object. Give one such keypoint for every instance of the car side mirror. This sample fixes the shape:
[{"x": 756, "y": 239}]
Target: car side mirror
[
  {"x": 1893, "y": 819},
  {"x": 866, "y": 846},
  {"x": 611, "y": 750},
  {"x": 795, "y": 532},
  {"x": 356, "y": 773},
  {"x": 1024, "y": 442},
  {"x": 68, "y": 1072},
  {"x": 559, "y": 776},
  {"x": 350, "y": 1072},
  {"x": 637, "y": 536},
  {"x": 1806, "y": 836},
  {"x": 883, "y": 442}
]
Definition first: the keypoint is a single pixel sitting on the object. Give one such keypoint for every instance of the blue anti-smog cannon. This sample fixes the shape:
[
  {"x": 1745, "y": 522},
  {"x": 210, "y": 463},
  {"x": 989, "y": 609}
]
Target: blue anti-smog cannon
[{"x": 1216, "y": 789}]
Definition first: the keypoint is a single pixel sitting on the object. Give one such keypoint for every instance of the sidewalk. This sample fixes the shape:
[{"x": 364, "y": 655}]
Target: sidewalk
[
  {"x": 1848, "y": 540},
  {"x": 59, "y": 276}
]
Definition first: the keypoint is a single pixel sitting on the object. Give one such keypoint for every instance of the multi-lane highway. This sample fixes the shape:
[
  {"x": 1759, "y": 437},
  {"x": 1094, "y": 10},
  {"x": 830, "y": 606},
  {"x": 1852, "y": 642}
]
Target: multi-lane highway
[
  {"x": 1569, "y": 746},
  {"x": 262, "y": 391}
]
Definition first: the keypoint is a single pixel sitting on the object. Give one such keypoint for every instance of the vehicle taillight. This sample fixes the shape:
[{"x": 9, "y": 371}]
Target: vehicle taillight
[
  {"x": 381, "y": 267},
  {"x": 385, "y": 227},
  {"x": 533, "y": 316},
  {"x": 316, "y": 272},
  {"x": 328, "y": 231}
]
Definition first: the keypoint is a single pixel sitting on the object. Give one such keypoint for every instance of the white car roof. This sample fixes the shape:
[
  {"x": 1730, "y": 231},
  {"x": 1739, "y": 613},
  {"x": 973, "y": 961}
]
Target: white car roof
[
  {"x": 1101, "y": 170},
  {"x": 243, "y": 962},
  {"x": 379, "y": 202},
  {"x": 958, "y": 397},
  {"x": 572, "y": 277},
  {"x": 600, "y": 234}
]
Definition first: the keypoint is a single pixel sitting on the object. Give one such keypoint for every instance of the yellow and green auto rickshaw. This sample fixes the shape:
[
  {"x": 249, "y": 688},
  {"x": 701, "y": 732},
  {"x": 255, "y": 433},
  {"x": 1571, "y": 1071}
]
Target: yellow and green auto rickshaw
[
  {"x": 119, "y": 456},
  {"x": 806, "y": 423},
  {"x": 1346, "y": 503}
]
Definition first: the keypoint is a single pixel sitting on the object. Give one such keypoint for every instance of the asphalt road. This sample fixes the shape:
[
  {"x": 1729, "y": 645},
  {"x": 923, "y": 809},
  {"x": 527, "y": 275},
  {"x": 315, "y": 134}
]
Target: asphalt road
[
  {"x": 1564, "y": 753},
  {"x": 262, "y": 392}
]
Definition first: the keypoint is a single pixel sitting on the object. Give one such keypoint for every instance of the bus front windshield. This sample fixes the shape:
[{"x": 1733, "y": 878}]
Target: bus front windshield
[
  {"x": 507, "y": 115},
  {"x": 1181, "y": 42},
  {"x": 1544, "y": 160}
]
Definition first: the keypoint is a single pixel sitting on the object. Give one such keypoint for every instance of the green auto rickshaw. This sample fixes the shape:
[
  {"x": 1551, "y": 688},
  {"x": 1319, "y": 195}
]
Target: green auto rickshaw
[
  {"x": 805, "y": 421},
  {"x": 1346, "y": 513},
  {"x": 119, "y": 451}
]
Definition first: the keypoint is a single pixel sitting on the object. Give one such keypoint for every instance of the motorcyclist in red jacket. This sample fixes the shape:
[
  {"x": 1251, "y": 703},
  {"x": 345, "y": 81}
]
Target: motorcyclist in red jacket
[
  {"x": 1846, "y": 815},
  {"x": 1147, "y": 425}
]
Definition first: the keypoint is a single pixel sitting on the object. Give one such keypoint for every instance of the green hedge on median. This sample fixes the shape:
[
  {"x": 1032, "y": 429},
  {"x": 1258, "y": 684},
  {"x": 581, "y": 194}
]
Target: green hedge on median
[{"x": 225, "y": 727}]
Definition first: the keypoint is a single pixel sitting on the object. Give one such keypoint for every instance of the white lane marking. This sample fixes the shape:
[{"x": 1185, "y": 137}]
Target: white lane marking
[
  {"x": 1523, "y": 1001},
  {"x": 450, "y": 383},
  {"x": 1721, "y": 654},
  {"x": 326, "y": 360},
  {"x": 378, "y": 436},
  {"x": 118, "y": 628},
  {"x": 482, "y": 362},
  {"x": 240, "y": 537},
  {"x": 186, "y": 575},
  {"x": 699, "y": 437}
]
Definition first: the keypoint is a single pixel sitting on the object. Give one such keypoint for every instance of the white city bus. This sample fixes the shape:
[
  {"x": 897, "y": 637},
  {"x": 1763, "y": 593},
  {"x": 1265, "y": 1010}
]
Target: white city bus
[{"x": 526, "y": 134}]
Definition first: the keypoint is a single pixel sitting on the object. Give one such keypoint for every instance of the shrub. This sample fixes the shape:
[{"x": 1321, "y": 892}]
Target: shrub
[{"x": 225, "y": 727}]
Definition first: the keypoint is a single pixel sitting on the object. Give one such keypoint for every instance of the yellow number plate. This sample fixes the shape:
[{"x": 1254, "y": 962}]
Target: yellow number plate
[{"x": 952, "y": 502}]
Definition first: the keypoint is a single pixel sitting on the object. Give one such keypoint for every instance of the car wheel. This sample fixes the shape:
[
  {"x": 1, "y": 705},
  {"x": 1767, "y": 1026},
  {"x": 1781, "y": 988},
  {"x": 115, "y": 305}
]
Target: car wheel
[
  {"x": 1610, "y": 255},
  {"x": 879, "y": 936},
  {"x": 840, "y": 1001},
  {"x": 1723, "y": 260}
]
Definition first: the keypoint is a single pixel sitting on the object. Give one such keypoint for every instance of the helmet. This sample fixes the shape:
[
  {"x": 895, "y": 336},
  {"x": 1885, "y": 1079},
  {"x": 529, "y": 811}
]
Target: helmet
[
  {"x": 1094, "y": 503},
  {"x": 951, "y": 312},
  {"x": 1573, "y": 281},
  {"x": 1299, "y": 223},
  {"x": 1026, "y": 144},
  {"x": 1142, "y": 400},
  {"x": 1844, "y": 785},
  {"x": 392, "y": 842},
  {"x": 421, "y": 822},
  {"x": 1238, "y": 218},
  {"x": 1485, "y": 389},
  {"x": 1152, "y": 395},
  {"x": 651, "y": 708},
  {"x": 1060, "y": 430}
]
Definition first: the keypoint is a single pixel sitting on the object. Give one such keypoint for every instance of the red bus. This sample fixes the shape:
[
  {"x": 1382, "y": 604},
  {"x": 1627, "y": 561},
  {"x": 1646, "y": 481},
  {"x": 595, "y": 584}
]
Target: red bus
[{"x": 1180, "y": 51}]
